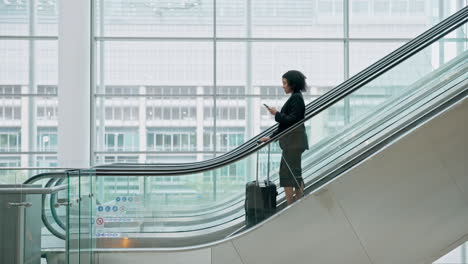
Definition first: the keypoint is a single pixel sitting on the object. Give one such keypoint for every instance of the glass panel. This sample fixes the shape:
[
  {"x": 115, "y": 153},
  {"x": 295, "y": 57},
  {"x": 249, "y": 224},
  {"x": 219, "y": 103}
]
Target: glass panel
[
  {"x": 303, "y": 19},
  {"x": 28, "y": 115},
  {"x": 131, "y": 206},
  {"x": 322, "y": 63},
  {"x": 47, "y": 17},
  {"x": 14, "y": 18},
  {"x": 14, "y": 160},
  {"x": 231, "y": 67},
  {"x": 156, "y": 63},
  {"x": 80, "y": 239},
  {"x": 172, "y": 72},
  {"x": 46, "y": 64},
  {"x": 363, "y": 54},
  {"x": 73, "y": 218},
  {"x": 191, "y": 18},
  {"x": 231, "y": 20},
  {"x": 14, "y": 68},
  {"x": 14, "y": 122},
  {"x": 397, "y": 18}
]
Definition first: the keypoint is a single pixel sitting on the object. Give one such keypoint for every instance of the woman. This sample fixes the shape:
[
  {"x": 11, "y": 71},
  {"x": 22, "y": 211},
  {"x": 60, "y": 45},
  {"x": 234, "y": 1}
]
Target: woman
[{"x": 295, "y": 142}]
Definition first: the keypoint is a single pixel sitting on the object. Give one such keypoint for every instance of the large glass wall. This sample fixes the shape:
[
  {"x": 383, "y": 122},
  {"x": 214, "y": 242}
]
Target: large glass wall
[
  {"x": 183, "y": 81},
  {"x": 28, "y": 87},
  {"x": 178, "y": 81}
]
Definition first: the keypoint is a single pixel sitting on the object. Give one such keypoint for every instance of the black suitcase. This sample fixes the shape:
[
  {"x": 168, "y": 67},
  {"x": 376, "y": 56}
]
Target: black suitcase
[{"x": 260, "y": 198}]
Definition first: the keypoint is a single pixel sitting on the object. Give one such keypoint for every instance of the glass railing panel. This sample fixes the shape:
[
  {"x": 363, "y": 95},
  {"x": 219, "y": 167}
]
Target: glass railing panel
[
  {"x": 87, "y": 216},
  {"x": 130, "y": 209},
  {"x": 80, "y": 242},
  {"x": 73, "y": 218}
]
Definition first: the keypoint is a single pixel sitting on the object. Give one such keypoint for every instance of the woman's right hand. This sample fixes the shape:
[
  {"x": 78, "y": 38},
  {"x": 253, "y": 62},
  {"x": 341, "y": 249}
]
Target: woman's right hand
[{"x": 264, "y": 139}]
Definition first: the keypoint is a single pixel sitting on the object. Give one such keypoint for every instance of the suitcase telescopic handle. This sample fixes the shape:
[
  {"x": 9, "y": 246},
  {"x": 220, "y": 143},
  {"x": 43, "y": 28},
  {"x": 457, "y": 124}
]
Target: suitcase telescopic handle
[
  {"x": 256, "y": 174},
  {"x": 268, "y": 165}
]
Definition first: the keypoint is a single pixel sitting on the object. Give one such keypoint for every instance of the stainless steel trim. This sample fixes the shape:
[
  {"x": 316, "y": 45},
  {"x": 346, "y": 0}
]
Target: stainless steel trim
[
  {"x": 34, "y": 190},
  {"x": 34, "y": 168},
  {"x": 28, "y": 37},
  {"x": 25, "y": 204}
]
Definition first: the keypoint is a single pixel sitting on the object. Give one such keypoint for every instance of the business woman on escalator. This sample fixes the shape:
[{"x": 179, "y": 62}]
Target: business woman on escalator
[{"x": 294, "y": 143}]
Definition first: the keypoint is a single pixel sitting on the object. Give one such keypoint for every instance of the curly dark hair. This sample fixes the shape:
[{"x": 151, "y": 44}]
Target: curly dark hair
[{"x": 296, "y": 80}]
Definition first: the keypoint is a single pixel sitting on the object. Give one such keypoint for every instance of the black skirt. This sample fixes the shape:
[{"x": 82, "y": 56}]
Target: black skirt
[{"x": 291, "y": 162}]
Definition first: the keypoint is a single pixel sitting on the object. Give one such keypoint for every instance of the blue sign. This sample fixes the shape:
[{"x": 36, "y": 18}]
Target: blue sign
[
  {"x": 100, "y": 208},
  {"x": 124, "y": 199},
  {"x": 108, "y": 208},
  {"x": 115, "y": 208},
  {"x": 130, "y": 199},
  {"x": 117, "y": 199}
]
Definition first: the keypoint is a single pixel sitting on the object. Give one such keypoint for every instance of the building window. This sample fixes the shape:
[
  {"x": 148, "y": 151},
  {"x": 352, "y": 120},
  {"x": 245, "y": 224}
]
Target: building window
[
  {"x": 47, "y": 112},
  {"x": 171, "y": 112},
  {"x": 117, "y": 139},
  {"x": 168, "y": 90},
  {"x": 171, "y": 139},
  {"x": 121, "y": 90},
  {"x": 226, "y": 138},
  {"x": 47, "y": 89},
  {"x": 10, "y": 139},
  {"x": 8, "y": 162},
  {"x": 122, "y": 113},
  {"x": 360, "y": 6},
  {"x": 46, "y": 161},
  {"x": 47, "y": 138}
]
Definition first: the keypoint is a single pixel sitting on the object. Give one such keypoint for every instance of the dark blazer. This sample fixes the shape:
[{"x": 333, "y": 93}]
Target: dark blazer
[{"x": 291, "y": 112}]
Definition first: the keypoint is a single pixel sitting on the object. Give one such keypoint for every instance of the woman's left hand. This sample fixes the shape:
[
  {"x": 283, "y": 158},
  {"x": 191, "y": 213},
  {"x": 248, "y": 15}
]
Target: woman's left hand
[{"x": 272, "y": 110}]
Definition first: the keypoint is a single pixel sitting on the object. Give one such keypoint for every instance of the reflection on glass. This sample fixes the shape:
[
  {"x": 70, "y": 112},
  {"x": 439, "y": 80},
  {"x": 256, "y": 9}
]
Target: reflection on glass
[
  {"x": 303, "y": 19},
  {"x": 17, "y": 11},
  {"x": 363, "y": 54},
  {"x": 322, "y": 63},
  {"x": 191, "y": 18},
  {"x": 397, "y": 19}
]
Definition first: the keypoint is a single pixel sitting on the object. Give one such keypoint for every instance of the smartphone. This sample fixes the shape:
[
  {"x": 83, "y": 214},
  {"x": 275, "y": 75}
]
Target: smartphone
[{"x": 266, "y": 106}]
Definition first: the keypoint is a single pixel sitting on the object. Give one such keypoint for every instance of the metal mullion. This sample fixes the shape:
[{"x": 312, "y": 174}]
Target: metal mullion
[
  {"x": 92, "y": 78},
  {"x": 33, "y": 168},
  {"x": 208, "y": 39},
  {"x": 249, "y": 87},
  {"x": 169, "y": 39},
  {"x": 27, "y": 95},
  {"x": 235, "y": 97},
  {"x": 32, "y": 81},
  {"x": 101, "y": 135},
  {"x": 214, "y": 95},
  {"x": 379, "y": 39},
  {"x": 8, "y": 153},
  {"x": 347, "y": 107},
  {"x": 441, "y": 41},
  {"x": 28, "y": 38},
  {"x": 214, "y": 74},
  {"x": 152, "y": 151}
]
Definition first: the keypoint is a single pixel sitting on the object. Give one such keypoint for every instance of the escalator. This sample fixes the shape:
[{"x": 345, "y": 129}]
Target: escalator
[{"x": 407, "y": 152}]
